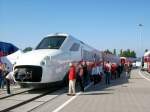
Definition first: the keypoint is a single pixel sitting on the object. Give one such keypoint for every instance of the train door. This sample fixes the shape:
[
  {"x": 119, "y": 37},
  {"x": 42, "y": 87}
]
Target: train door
[
  {"x": 148, "y": 63},
  {"x": 145, "y": 63}
]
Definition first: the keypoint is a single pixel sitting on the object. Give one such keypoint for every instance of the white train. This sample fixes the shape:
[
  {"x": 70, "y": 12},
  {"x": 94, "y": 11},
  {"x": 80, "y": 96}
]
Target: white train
[{"x": 48, "y": 63}]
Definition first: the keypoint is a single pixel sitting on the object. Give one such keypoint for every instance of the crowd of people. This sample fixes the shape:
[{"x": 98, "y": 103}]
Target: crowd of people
[
  {"x": 81, "y": 73},
  {"x": 85, "y": 72}
]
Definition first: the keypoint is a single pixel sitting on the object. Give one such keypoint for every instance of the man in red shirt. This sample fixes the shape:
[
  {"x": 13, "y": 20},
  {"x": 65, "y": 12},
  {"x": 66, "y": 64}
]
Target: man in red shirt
[{"x": 72, "y": 79}]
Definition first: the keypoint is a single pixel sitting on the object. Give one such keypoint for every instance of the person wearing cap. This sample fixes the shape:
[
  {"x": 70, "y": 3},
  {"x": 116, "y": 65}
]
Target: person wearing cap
[{"x": 72, "y": 79}]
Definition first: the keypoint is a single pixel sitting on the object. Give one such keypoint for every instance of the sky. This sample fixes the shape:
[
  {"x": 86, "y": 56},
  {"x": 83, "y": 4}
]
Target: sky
[{"x": 102, "y": 24}]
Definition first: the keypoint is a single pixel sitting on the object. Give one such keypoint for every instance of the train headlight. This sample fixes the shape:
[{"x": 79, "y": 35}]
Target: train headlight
[
  {"x": 45, "y": 60},
  {"x": 42, "y": 63}
]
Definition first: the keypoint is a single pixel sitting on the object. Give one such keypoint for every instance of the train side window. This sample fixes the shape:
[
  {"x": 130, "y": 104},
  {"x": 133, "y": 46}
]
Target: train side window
[{"x": 75, "y": 47}]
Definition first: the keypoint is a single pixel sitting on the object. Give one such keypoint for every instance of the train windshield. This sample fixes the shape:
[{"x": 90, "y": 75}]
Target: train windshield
[{"x": 52, "y": 42}]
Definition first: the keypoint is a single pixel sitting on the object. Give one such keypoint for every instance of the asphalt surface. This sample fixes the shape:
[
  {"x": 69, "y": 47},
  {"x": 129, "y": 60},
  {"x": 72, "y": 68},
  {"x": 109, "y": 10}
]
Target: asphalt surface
[{"x": 122, "y": 95}]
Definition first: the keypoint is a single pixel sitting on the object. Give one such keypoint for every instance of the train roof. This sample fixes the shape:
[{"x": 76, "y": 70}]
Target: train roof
[
  {"x": 147, "y": 53},
  {"x": 72, "y": 37},
  {"x": 58, "y": 34}
]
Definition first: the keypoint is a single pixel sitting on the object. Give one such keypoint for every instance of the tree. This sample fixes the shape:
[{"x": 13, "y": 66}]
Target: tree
[
  {"x": 133, "y": 54},
  {"x": 121, "y": 51},
  {"x": 114, "y": 52},
  {"x": 27, "y": 49},
  {"x": 108, "y": 51},
  {"x": 128, "y": 53}
]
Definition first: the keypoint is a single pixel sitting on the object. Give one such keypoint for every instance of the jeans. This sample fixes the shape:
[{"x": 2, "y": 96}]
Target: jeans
[
  {"x": 107, "y": 79},
  {"x": 2, "y": 82}
]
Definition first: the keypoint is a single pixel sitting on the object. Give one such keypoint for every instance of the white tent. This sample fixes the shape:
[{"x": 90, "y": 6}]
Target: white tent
[{"x": 11, "y": 59}]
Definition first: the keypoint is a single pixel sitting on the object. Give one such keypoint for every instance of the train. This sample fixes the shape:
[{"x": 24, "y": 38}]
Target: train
[
  {"x": 49, "y": 62},
  {"x": 146, "y": 61}
]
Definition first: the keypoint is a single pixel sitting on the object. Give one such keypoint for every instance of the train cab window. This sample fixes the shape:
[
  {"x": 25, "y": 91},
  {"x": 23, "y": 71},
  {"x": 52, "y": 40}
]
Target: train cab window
[
  {"x": 75, "y": 47},
  {"x": 52, "y": 42}
]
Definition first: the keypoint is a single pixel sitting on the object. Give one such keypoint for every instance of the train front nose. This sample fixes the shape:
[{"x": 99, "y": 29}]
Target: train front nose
[{"x": 28, "y": 73}]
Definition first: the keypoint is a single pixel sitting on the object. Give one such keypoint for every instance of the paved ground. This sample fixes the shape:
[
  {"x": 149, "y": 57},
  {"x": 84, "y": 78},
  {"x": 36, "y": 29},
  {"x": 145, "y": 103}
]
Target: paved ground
[{"x": 122, "y": 95}]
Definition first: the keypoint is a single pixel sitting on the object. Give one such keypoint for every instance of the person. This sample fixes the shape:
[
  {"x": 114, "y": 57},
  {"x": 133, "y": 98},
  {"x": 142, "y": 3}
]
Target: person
[
  {"x": 102, "y": 70},
  {"x": 4, "y": 72},
  {"x": 99, "y": 72},
  {"x": 94, "y": 73},
  {"x": 8, "y": 84},
  {"x": 1, "y": 77},
  {"x": 89, "y": 71},
  {"x": 119, "y": 70},
  {"x": 80, "y": 77},
  {"x": 113, "y": 70},
  {"x": 130, "y": 66},
  {"x": 72, "y": 79},
  {"x": 9, "y": 79},
  {"x": 85, "y": 73},
  {"x": 126, "y": 70},
  {"x": 108, "y": 72}
]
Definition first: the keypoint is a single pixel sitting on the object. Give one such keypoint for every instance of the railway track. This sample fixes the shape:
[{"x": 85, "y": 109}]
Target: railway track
[
  {"x": 16, "y": 102},
  {"x": 4, "y": 95}
]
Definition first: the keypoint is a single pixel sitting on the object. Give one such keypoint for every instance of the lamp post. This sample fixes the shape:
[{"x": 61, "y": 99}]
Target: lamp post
[{"x": 140, "y": 36}]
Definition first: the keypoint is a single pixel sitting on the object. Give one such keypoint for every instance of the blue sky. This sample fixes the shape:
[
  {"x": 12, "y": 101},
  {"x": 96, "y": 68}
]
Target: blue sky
[{"x": 103, "y": 24}]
